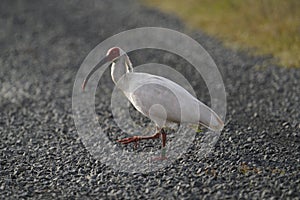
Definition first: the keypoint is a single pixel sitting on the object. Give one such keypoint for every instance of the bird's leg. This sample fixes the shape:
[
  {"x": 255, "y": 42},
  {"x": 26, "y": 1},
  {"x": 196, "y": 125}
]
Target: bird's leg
[
  {"x": 163, "y": 147},
  {"x": 163, "y": 138},
  {"x": 138, "y": 138}
]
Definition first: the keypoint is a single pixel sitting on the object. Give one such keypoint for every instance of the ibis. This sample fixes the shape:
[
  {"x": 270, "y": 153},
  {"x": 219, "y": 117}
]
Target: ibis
[{"x": 156, "y": 97}]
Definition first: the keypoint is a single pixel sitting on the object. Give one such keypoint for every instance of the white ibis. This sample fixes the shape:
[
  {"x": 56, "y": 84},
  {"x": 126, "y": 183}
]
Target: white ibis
[{"x": 156, "y": 97}]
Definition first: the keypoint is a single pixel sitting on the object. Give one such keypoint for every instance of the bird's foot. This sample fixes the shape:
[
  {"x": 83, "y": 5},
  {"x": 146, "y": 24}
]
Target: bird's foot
[{"x": 134, "y": 139}]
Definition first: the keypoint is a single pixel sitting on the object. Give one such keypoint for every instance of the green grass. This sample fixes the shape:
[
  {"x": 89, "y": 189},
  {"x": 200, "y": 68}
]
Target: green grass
[{"x": 262, "y": 26}]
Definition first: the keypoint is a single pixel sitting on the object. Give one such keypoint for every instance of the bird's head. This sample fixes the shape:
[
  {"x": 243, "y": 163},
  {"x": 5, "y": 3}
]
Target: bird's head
[{"x": 112, "y": 55}]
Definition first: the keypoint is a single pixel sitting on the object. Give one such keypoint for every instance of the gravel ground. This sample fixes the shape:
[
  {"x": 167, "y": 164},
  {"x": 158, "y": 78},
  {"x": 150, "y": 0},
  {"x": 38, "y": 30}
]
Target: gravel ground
[{"x": 41, "y": 155}]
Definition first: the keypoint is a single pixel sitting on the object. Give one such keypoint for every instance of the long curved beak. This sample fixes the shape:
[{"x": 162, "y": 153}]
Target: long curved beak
[{"x": 102, "y": 62}]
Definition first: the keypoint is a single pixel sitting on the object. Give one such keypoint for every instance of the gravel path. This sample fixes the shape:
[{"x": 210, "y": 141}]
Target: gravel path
[{"x": 41, "y": 156}]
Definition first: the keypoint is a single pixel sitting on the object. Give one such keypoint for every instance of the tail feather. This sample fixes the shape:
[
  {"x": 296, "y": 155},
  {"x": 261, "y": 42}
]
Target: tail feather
[{"x": 210, "y": 120}]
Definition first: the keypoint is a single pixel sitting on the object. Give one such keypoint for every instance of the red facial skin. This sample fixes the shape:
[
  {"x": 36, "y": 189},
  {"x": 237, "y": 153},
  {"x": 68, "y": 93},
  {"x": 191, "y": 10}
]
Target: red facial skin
[{"x": 113, "y": 53}]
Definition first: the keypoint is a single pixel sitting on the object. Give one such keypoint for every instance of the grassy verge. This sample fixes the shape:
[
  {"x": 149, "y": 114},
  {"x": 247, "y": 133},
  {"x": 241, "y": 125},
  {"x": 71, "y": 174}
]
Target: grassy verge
[{"x": 267, "y": 26}]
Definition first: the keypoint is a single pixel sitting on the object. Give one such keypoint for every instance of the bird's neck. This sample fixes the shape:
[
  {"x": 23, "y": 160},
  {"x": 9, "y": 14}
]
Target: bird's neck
[{"x": 120, "y": 68}]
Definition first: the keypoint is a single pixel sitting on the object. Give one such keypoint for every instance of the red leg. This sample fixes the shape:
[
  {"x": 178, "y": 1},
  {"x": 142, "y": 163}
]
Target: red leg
[
  {"x": 138, "y": 138},
  {"x": 161, "y": 133}
]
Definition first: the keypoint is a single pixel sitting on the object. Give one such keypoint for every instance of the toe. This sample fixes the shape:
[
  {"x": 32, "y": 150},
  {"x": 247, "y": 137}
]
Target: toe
[{"x": 129, "y": 140}]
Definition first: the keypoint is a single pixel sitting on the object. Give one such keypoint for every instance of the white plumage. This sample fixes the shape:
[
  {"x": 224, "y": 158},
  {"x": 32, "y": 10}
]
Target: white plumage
[{"x": 158, "y": 98}]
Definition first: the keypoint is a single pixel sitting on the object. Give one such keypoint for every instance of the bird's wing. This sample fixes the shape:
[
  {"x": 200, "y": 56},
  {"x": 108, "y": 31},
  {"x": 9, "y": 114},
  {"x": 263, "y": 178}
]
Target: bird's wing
[{"x": 176, "y": 103}]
